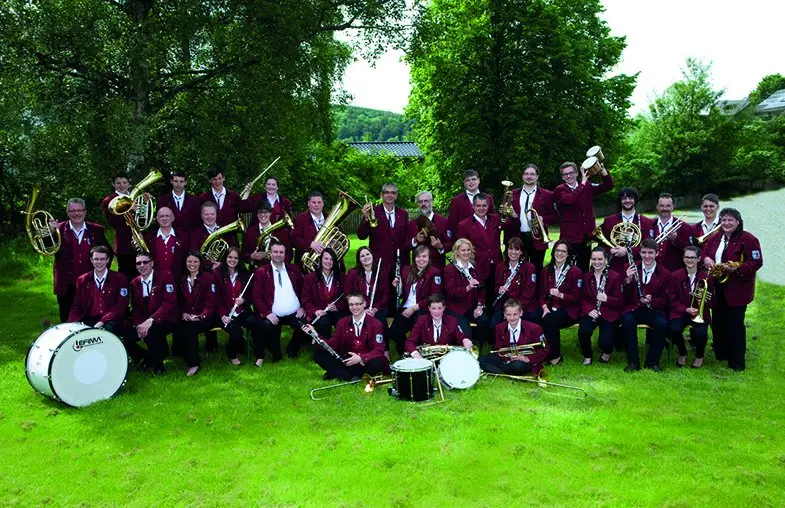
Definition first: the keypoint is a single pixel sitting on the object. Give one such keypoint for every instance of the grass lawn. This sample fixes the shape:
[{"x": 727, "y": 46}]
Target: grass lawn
[{"x": 246, "y": 436}]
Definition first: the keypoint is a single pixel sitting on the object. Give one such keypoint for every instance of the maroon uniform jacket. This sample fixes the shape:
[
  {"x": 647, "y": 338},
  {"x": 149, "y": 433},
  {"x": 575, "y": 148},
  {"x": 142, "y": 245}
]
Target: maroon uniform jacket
[
  {"x": 251, "y": 237},
  {"x": 161, "y": 305},
  {"x": 316, "y": 296},
  {"x": 303, "y": 234},
  {"x": 187, "y": 218},
  {"x": 264, "y": 287},
  {"x": 446, "y": 235},
  {"x": 73, "y": 258},
  {"x": 681, "y": 294},
  {"x": 110, "y": 303},
  {"x": 576, "y": 208},
  {"x": 740, "y": 287},
  {"x": 122, "y": 232},
  {"x": 197, "y": 237},
  {"x": 658, "y": 287},
  {"x": 455, "y": 283},
  {"x": 611, "y": 310},
  {"x": 384, "y": 240},
  {"x": 530, "y": 333},
  {"x": 355, "y": 282},
  {"x": 229, "y": 210},
  {"x": 619, "y": 264},
  {"x": 543, "y": 204},
  {"x": 169, "y": 256},
  {"x": 282, "y": 205},
  {"x": 522, "y": 288},
  {"x": 200, "y": 300},
  {"x": 369, "y": 345},
  {"x": 462, "y": 208},
  {"x": 422, "y": 333},
  {"x": 486, "y": 240},
  {"x": 428, "y": 283},
  {"x": 671, "y": 252},
  {"x": 572, "y": 287},
  {"x": 227, "y": 292}
]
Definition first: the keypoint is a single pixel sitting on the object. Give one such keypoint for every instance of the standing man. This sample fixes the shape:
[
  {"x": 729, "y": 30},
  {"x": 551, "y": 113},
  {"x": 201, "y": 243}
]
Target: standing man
[
  {"x": 575, "y": 202},
  {"x": 227, "y": 201},
  {"x": 710, "y": 205},
  {"x": 101, "y": 298},
  {"x": 184, "y": 206},
  {"x": 167, "y": 246},
  {"x": 437, "y": 244},
  {"x": 671, "y": 244},
  {"x": 628, "y": 201},
  {"x": 123, "y": 248},
  {"x": 484, "y": 232},
  {"x": 462, "y": 205},
  {"x": 73, "y": 258},
  {"x": 306, "y": 225}
]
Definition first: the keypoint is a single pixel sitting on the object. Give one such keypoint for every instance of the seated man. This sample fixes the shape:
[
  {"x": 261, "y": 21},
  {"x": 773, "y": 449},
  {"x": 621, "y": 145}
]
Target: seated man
[
  {"x": 358, "y": 340},
  {"x": 436, "y": 329},
  {"x": 101, "y": 298},
  {"x": 516, "y": 332}
]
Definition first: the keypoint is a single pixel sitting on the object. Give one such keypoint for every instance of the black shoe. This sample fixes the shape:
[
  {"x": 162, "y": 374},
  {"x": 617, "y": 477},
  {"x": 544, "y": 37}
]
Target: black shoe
[
  {"x": 328, "y": 376},
  {"x": 632, "y": 367},
  {"x": 654, "y": 368}
]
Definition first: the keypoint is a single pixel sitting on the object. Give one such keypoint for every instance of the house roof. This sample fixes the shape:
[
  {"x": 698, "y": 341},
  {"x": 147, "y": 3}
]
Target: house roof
[
  {"x": 774, "y": 104},
  {"x": 732, "y": 107},
  {"x": 397, "y": 148}
]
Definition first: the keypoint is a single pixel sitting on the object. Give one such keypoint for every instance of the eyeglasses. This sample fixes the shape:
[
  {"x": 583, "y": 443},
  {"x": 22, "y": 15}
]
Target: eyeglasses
[
  {"x": 690, "y": 257},
  {"x": 78, "y": 210},
  {"x": 142, "y": 263},
  {"x": 560, "y": 251},
  {"x": 568, "y": 173}
]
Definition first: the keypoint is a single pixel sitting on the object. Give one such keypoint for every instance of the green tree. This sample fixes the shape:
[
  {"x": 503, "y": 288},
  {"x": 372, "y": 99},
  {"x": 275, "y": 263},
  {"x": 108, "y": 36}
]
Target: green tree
[
  {"x": 501, "y": 83},
  {"x": 767, "y": 86}
]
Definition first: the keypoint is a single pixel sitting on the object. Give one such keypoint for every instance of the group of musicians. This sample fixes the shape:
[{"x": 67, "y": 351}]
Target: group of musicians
[{"x": 438, "y": 280}]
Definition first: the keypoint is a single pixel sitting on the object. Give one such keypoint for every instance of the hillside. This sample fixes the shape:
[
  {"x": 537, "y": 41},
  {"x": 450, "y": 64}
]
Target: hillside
[{"x": 363, "y": 124}]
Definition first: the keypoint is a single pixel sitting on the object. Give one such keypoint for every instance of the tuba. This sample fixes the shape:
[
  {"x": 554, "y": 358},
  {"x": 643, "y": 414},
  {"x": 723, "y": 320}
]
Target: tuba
[
  {"x": 44, "y": 240},
  {"x": 263, "y": 242},
  {"x": 506, "y": 209},
  {"x": 214, "y": 247},
  {"x": 145, "y": 209},
  {"x": 329, "y": 235}
]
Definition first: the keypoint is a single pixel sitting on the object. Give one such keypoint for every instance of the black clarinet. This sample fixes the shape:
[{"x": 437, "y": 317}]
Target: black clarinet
[
  {"x": 601, "y": 289},
  {"x": 507, "y": 283},
  {"x": 636, "y": 277},
  {"x": 318, "y": 340},
  {"x": 399, "y": 288}
]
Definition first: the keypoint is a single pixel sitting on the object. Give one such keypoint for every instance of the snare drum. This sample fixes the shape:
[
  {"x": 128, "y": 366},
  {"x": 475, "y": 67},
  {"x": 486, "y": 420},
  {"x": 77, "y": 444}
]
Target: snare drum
[
  {"x": 77, "y": 364},
  {"x": 459, "y": 369},
  {"x": 412, "y": 379}
]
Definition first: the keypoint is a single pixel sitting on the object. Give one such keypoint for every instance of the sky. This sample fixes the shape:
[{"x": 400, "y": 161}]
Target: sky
[{"x": 740, "y": 39}]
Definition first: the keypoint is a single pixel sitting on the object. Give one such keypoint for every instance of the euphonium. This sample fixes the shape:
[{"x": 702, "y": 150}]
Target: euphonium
[
  {"x": 263, "y": 242},
  {"x": 44, "y": 240},
  {"x": 329, "y": 235},
  {"x": 214, "y": 247},
  {"x": 505, "y": 209},
  {"x": 702, "y": 293}
]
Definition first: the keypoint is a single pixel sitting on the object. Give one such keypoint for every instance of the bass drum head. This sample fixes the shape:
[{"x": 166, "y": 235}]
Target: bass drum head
[
  {"x": 459, "y": 370},
  {"x": 412, "y": 365}
]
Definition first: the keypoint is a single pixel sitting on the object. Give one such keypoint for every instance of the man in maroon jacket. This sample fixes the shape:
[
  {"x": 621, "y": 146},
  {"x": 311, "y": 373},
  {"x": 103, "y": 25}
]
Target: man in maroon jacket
[
  {"x": 186, "y": 207},
  {"x": 439, "y": 244},
  {"x": 73, "y": 258},
  {"x": 153, "y": 315},
  {"x": 358, "y": 340},
  {"x": 306, "y": 226},
  {"x": 484, "y": 231},
  {"x": 252, "y": 252},
  {"x": 123, "y": 249},
  {"x": 628, "y": 200},
  {"x": 101, "y": 297},
  {"x": 575, "y": 202},
  {"x": 462, "y": 205},
  {"x": 671, "y": 244},
  {"x": 516, "y": 332},
  {"x": 167, "y": 246},
  {"x": 437, "y": 328},
  {"x": 227, "y": 201}
]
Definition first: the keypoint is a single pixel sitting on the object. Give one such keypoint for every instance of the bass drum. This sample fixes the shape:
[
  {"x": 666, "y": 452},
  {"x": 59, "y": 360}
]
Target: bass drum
[
  {"x": 412, "y": 379},
  {"x": 77, "y": 364},
  {"x": 459, "y": 369}
]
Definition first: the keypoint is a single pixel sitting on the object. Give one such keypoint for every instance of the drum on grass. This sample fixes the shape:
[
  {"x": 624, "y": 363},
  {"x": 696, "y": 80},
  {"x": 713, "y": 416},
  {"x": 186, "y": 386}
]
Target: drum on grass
[
  {"x": 412, "y": 379},
  {"x": 459, "y": 369},
  {"x": 77, "y": 364}
]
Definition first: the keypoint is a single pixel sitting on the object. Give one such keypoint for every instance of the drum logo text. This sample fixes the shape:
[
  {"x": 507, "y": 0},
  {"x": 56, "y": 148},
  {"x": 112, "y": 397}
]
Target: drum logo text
[{"x": 80, "y": 344}]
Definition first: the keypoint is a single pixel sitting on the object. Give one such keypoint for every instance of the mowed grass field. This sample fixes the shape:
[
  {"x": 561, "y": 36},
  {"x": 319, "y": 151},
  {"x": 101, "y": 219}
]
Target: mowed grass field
[{"x": 245, "y": 436}]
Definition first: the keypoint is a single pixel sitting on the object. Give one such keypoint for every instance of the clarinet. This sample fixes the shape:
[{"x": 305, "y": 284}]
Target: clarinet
[
  {"x": 399, "y": 288},
  {"x": 601, "y": 289},
  {"x": 465, "y": 272},
  {"x": 507, "y": 284},
  {"x": 636, "y": 277},
  {"x": 375, "y": 283},
  {"x": 562, "y": 276},
  {"x": 322, "y": 342}
]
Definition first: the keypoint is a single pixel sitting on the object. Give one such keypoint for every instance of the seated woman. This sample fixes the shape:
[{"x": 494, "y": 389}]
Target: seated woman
[
  {"x": 420, "y": 281},
  {"x": 559, "y": 297},
  {"x": 371, "y": 279},
  {"x": 521, "y": 287},
  {"x": 436, "y": 328},
  {"x": 323, "y": 294},
  {"x": 511, "y": 334},
  {"x": 465, "y": 294},
  {"x": 601, "y": 305},
  {"x": 233, "y": 303},
  {"x": 685, "y": 304},
  {"x": 197, "y": 308}
]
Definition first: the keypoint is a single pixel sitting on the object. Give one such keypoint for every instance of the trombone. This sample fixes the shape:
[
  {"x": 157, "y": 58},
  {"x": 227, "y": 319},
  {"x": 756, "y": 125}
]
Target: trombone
[
  {"x": 369, "y": 384},
  {"x": 541, "y": 382},
  {"x": 249, "y": 186},
  {"x": 45, "y": 241}
]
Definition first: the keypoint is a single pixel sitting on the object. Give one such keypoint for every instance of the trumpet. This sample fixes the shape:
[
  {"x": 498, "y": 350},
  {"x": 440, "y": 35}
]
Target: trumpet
[
  {"x": 720, "y": 270},
  {"x": 673, "y": 228},
  {"x": 45, "y": 241},
  {"x": 249, "y": 186},
  {"x": 519, "y": 349},
  {"x": 700, "y": 240},
  {"x": 372, "y": 220},
  {"x": 214, "y": 247},
  {"x": 702, "y": 294},
  {"x": 505, "y": 209},
  {"x": 537, "y": 227}
]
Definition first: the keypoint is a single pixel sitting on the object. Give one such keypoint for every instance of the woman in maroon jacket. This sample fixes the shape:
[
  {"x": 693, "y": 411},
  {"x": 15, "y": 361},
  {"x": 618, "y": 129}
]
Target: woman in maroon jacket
[
  {"x": 684, "y": 307},
  {"x": 559, "y": 297},
  {"x": 370, "y": 278},
  {"x": 522, "y": 287},
  {"x": 419, "y": 281},
  {"x": 323, "y": 294},
  {"x": 465, "y": 294},
  {"x": 197, "y": 308},
  {"x": 731, "y": 297},
  {"x": 600, "y": 308},
  {"x": 233, "y": 302}
]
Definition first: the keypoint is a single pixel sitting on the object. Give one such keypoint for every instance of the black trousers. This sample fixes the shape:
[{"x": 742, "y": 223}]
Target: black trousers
[
  {"x": 401, "y": 326},
  {"x": 477, "y": 335},
  {"x": 268, "y": 336},
  {"x": 65, "y": 302},
  {"x": 586, "y": 328},
  {"x": 495, "y": 365},
  {"x": 324, "y": 326},
  {"x": 187, "y": 333},
  {"x": 236, "y": 342},
  {"x": 582, "y": 253},
  {"x": 340, "y": 371},
  {"x": 699, "y": 333},
  {"x": 536, "y": 257},
  {"x": 659, "y": 331},
  {"x": 552, "y": 324},
  {"x": 728, "y": 330},
  {"x": 126, "y": 264},
  {"x": 157, "y": 347}
]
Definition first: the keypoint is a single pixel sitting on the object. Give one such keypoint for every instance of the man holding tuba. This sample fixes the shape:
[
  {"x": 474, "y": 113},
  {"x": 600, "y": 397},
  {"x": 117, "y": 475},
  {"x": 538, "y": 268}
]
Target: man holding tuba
[
  {"x": 306, "y": 225},
  {"x": 123, "y": 249},
  {"x": 256, "y": 254}
]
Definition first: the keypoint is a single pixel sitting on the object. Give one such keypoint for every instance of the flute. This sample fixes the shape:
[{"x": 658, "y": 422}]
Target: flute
[
  {"x": 375, "y": 283},
  {"x": 328, "y": 306},
  {"x": 233, "y": 313}
]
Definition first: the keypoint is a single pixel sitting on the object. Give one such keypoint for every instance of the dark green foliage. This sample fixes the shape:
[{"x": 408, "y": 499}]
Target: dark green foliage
[
  {"x": 363, "y": 124},
  {"x": 767, "y": 86}
]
